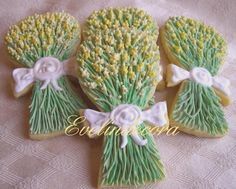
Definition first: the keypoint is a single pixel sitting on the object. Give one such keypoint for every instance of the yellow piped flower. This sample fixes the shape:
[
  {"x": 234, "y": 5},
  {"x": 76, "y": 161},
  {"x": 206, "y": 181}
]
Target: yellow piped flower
[
  {"x": 97, "y": 67},
  {"x": 98, "y": 79},
  {"x": 132, "y": 75},
  {"x": 125, "y": 57},
  {"x": 177, "y": 49},
  {"x": 114, "y": 58},
  {"x": 183, "y": 35},
  {"x": 124, "y": 70},
  {"x": 152, "y": 74},
  {"x": 140, "y": 67},
  {"x": 133, "y": 52}
]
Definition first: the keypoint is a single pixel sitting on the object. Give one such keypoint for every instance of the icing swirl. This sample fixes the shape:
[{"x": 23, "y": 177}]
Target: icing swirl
[
  {"x": 201, "y": 75},
  {"x": 48, "y": 68},
  {"x": 126, "y": 115}
]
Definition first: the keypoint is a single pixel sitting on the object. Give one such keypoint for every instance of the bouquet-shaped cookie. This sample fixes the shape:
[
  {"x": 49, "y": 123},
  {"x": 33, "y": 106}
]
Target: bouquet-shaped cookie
[
  {"x": 196, "y": 52},
  {"x": 119, "y": 73},
  {"x": 43, "y": 45}
]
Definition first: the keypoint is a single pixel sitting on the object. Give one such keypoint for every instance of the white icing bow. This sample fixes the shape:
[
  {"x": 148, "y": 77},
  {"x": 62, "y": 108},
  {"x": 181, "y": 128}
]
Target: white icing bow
[
  {"x": 127, "y": 117},
  {"x": 199, "y": 75},
  {"x": 46, "y": 69}
]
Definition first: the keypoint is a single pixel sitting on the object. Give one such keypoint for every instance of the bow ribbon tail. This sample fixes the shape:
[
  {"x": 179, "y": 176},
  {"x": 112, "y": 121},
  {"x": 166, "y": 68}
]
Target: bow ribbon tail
[
  {"x": 55, "y": 85},
  {"x": 124, "y": 138},
  {"x": 222, "y": 84},
  {"x": 175, "y": 75},
  {"x": 23, "y": 78},
  {"x": 137, "y": 139},
  {"x": 156, "y": 115},
  {"x": 132, "y": 130},
  {"x": 222, "y": 89},
  {"x": 96, "y": 120}
]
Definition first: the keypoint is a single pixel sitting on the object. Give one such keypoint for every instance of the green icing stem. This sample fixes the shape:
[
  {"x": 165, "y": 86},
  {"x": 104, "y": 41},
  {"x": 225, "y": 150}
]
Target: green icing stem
[
  {"x": 133, "y": 165},
  {"x": 198, "y": 108},
  {"x": 54, "y": 34},
  {"x": 193, "y": 44},
  {"x": 50, "y": 109}
]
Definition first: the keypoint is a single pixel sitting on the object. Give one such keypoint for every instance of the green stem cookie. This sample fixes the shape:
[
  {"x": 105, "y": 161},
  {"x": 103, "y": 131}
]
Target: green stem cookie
[
  {"x": 42, "y": 44},
  {"x": 120, "y": 67},
  {"x": 197, "y": 107}
]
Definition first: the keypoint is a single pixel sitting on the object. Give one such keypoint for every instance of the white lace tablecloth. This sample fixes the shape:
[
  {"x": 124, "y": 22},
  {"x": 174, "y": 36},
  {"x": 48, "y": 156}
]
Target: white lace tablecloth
[{"x": 73, "y": 162}]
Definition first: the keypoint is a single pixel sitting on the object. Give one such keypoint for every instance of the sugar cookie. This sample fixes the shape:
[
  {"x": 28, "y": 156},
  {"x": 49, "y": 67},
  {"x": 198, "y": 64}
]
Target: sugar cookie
[
  {"x": 43, "y": 45},
  {"x": 118, "y": 72},
  {"x": 196, "y": 52}
]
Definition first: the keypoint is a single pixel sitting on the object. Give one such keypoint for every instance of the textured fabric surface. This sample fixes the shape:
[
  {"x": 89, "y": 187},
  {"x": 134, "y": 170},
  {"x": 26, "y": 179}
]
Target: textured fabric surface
[{"x": 73, "y": 162}]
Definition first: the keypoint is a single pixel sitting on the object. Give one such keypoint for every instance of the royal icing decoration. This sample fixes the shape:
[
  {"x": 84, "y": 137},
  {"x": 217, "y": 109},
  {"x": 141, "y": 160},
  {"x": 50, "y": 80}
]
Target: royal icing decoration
[
  {"x": 127, "y": 117},
  {"x": 199, "y": 75},
  {"x": 47, "y": 70}
]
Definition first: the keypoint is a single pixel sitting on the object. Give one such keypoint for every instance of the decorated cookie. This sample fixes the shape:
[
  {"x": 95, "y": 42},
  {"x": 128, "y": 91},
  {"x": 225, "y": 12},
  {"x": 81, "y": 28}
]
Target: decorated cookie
[
  {"x": 196, "y": 52},
  {"x": 43, "y": 45},
  {"x": 113, "y": 18},
  {"x": 118, "y": 72}
]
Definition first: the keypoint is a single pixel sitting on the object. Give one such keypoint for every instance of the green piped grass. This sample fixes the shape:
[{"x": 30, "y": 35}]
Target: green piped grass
[
  {"x": 50, "y": 109},
  {"x": 198, "y": 110},
  {"x": 132, "y": 166}
]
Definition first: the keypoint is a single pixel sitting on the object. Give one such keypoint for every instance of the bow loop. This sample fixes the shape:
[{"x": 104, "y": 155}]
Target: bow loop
[
  {"x": 23, "y": 78},
  {"x": 176, "y": 75},
  {"x": 96, "y": 119},
  {"x": 156, "y": 115}
]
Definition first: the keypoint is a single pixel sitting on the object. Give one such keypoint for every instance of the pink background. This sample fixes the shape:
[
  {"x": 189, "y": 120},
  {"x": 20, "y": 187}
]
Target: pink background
[{"x": 72, "y": 162}]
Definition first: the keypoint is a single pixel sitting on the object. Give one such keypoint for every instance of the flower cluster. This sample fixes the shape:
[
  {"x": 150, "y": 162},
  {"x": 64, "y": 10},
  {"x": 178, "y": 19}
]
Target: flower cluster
[
  {"x": 129, "y": 62},
  {"x": 107, "y": 19},
  {"x": 40, "y": 35},
  {"x": 193, "y": 41},
  {"x": 119, "y": 57}
]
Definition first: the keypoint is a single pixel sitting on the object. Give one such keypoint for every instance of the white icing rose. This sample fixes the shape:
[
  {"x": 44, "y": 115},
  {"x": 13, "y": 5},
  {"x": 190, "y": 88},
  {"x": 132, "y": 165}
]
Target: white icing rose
[
  {"x": 126, "y": 115},
  {"x": 48, "y": 68},
  {"x": 202, "y": 76}
]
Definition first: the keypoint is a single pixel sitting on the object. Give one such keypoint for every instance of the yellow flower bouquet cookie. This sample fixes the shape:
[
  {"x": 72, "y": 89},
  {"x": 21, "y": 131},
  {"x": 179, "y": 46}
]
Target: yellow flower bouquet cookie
[
  {"x": 118, "y": 71},
  {"x": 42, "y": 46},
  {"x": 196, "y": 52}
]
